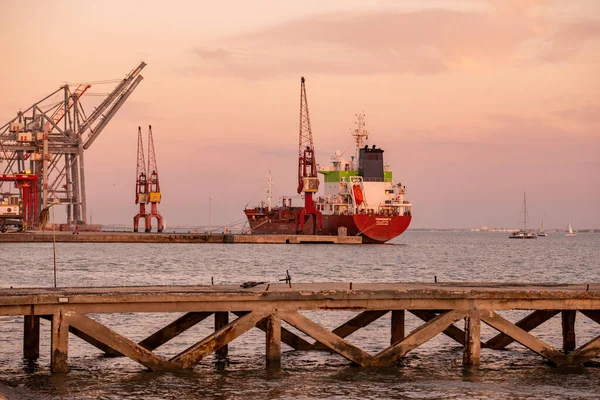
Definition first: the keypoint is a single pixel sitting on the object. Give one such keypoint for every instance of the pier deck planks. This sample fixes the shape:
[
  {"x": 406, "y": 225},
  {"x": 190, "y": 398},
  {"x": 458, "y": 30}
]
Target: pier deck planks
[{"x": 440, "y": 305}]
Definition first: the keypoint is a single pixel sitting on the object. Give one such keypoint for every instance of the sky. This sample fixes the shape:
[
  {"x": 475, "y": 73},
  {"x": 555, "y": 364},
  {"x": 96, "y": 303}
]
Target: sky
[{"x": 473, "y": 101}]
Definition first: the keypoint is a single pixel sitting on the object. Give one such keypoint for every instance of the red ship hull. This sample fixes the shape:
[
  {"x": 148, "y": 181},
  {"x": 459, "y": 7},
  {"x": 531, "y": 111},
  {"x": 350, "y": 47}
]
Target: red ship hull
[{"x": 373, "y": 228}]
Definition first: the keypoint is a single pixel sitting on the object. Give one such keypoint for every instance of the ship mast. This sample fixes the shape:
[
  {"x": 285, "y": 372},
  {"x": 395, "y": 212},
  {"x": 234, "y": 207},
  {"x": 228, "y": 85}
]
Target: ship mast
[
  {"x": 525, "y": 211},
  {"x": 269, "y": 190},
  {"x": 360, "y": 134}
]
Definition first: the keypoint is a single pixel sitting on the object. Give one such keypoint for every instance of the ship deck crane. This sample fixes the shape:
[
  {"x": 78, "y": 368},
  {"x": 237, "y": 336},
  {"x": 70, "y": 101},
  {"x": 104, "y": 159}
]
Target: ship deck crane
[{"x": 308, "y": 181}]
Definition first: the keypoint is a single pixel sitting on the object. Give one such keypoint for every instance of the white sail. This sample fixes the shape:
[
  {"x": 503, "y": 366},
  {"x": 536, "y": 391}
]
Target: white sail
[{"x": 570, "y": 231}]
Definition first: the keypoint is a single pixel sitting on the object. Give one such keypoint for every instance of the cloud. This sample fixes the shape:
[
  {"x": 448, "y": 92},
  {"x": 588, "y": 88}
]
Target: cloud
[
  {"x": 419, "y": 42},
  {"x": 430, "y": 41},
  {"x": 567, "y": 40},
  {"x": 583, "y": 115},
  {"x": 219, "y": 54}
]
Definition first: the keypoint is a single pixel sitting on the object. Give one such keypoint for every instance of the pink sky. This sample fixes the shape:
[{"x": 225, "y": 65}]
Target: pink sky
[{"x": 473, "y": 101}]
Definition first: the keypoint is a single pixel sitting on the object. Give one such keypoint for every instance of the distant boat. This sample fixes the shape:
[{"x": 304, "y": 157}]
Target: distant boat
[
  {"x": 524, "y": 233},
  {"x": 570, "y": 231},
  {"x": 542, "y": 232}
]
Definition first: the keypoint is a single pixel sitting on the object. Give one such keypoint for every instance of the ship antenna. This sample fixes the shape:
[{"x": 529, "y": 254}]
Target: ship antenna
[
  {"x": 360, "y": 133},
  {"x": 269, "y": 190}
]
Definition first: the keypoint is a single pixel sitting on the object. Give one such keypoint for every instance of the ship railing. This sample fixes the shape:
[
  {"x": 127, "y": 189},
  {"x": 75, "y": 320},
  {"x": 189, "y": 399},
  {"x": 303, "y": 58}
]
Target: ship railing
[{"x": 368, "y": 179}]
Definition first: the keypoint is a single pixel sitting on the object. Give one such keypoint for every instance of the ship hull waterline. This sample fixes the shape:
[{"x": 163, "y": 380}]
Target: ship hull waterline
[{"x": 373, "y": 228}]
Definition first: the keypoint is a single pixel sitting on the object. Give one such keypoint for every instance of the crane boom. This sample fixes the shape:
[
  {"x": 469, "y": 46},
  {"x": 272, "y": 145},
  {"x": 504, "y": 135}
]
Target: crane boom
[{"x": 108, "y": 108}]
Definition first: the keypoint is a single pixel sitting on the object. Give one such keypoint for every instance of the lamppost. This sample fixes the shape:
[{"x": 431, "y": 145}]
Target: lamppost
[{"x": 44, "y": 220}]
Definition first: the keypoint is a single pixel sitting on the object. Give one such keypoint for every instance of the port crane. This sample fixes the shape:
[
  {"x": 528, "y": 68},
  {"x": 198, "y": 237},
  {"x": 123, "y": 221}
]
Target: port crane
[
  {"x": 154, "y": 195},
  {"x": 48, "y": 141},
  {"x": 141, "y": 184},
  {"x": 308, "y": 181}
]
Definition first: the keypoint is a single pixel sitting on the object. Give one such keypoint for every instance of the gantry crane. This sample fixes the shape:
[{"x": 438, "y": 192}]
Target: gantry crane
[
  {"x": 308, "y": 181},
  {"x": 141, "y": 184},
  {"x": 147, "y": 186},
  {"x": 48, "y": 140}
]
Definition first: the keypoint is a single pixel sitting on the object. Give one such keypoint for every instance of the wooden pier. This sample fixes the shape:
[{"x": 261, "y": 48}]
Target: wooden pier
[
  {"x": 273, "y": 308},
  {"x": 130, "y": 237}
]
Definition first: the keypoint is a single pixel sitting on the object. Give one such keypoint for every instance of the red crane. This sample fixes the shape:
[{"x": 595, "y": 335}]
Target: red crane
[
  {"x": 308, "y": 182},
  {"x": 141, "y": 184},
  {"x": 154, "y": 195},
  {"x": 59, "y": 113}
]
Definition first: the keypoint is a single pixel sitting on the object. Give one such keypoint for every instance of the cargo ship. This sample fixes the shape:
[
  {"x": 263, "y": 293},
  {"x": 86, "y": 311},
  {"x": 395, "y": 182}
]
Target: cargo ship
[{"x": 359, "y": 199}]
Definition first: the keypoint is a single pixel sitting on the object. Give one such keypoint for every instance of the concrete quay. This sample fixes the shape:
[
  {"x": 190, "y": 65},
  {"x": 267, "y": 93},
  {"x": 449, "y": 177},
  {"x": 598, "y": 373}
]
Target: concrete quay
[
  {"x": 274, "y": 307},
  {"x": 130, "y": 237}
]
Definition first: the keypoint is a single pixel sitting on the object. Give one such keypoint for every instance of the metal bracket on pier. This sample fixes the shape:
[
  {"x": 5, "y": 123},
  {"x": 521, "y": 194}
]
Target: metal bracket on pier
[{"x": 287, "y": 279}]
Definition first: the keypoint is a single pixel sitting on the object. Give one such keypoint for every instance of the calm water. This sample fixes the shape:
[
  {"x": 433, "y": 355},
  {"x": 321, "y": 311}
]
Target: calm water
[{"x": 433, "y": 371}]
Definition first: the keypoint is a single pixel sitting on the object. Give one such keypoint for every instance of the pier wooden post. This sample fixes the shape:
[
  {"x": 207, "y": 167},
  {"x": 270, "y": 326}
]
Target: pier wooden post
[
  {"x": 397, "y": 326},
  {"x": 31, "y": 337},
  {"x": 221, "y": 319},
  {"x": 568, "y": 330},
  {"x": 472, "y": 349},
  {"x": 273, "y": 341},
  {"x": 59, "y": 343}
]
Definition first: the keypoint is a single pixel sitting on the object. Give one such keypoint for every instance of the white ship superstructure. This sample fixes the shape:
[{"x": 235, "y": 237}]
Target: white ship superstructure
[{"x": 362, "y": 184}]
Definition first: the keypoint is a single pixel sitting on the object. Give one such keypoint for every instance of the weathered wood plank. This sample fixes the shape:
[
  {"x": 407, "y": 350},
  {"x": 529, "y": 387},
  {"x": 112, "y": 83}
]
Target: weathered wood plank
[
  {"x": 329, "y": 339},
  {"x": 189, "y": 357},
  {"x": 494, "y": 320},
  {"x": 59, "y": 343},
  {"x": 472, "y": 349},
  {"x": 530, "y": 322},
  {"x": 568, "y": 330},
  {"x": 359, "y": 321},
  {"x": 31, "y": 337},
  {"x": 586, "y": 352},
  {"x": 119, "y": 343},
  {"x": 287, "y": 337},
  {"x": 451, "y": 331},
  {"x": 273, "y": 338},
  {"x": 398, "y": 326},
  {"x": 76, "y": 332},
  {"x": 419, "y": 336},
  {"x": 167, "y": 333},
  {"x": 221, "y": 320},
  {"x": 174, "y": 329}
]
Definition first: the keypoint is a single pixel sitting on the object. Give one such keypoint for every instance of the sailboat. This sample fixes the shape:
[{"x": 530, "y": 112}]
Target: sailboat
[
  {"x": 524, "y": 233},
  {"x": 570, "y": 231},
  {"x": 542, "y": 232}
]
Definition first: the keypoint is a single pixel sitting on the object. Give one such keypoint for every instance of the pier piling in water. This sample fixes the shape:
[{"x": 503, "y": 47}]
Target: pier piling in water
[{"x": 440, "y": 306}]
